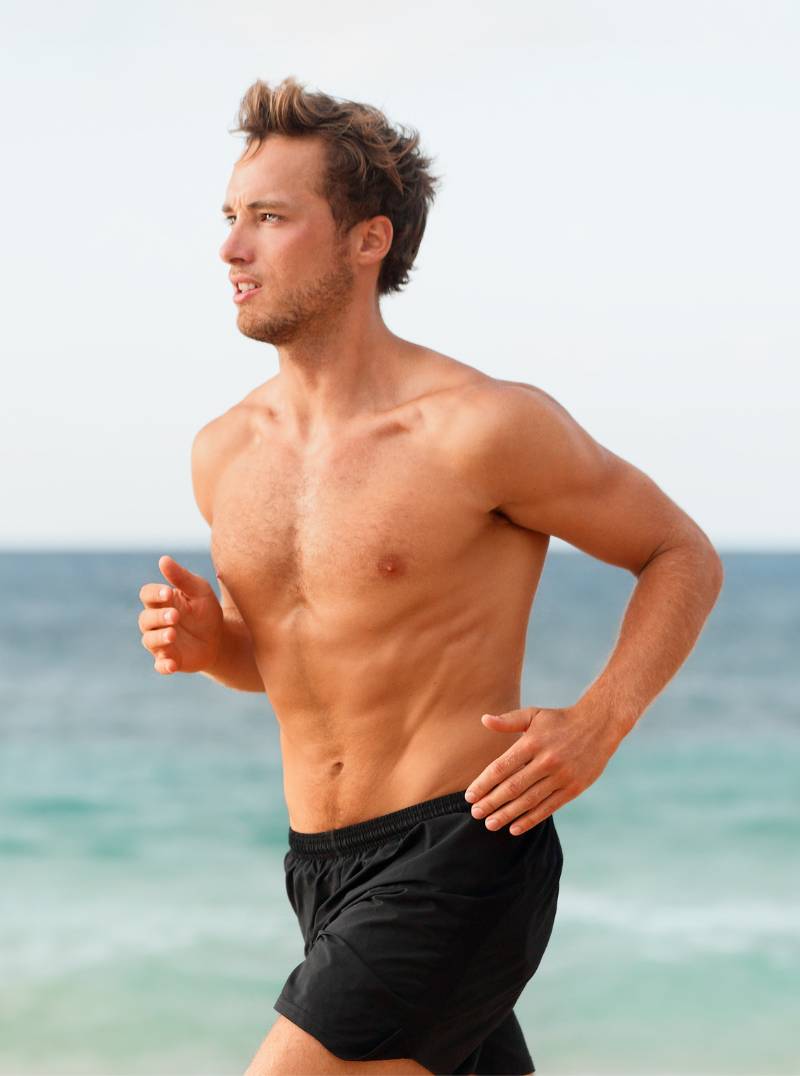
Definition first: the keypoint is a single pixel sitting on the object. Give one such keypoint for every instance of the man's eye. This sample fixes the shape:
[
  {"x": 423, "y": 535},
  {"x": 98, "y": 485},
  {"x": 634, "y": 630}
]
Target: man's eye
[{"x": 230, "y": 220}]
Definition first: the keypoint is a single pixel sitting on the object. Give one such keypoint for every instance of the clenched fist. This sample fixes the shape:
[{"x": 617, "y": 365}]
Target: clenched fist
[{"x": 182, "y": 624}]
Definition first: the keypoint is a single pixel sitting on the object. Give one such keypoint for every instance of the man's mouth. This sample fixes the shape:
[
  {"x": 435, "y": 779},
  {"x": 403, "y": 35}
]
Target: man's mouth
[{"x": 244, "y": 291}]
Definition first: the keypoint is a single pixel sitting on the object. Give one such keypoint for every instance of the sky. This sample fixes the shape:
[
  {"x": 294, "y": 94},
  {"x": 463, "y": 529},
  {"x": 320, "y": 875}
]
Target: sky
[{"x": 617, "y": 224}]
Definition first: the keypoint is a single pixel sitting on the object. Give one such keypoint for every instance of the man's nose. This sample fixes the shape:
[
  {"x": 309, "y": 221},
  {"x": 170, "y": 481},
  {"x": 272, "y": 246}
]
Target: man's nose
[{"x": 235, "y": 247}]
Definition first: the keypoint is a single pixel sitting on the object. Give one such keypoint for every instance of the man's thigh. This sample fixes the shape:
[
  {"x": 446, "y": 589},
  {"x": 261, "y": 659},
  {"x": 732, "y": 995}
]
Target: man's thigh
[{"x": 288, "y": 1050}]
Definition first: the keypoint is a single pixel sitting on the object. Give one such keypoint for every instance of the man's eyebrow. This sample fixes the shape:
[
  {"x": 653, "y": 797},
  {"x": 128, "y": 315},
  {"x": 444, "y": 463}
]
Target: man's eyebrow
[{"x": 262, "y": 203}]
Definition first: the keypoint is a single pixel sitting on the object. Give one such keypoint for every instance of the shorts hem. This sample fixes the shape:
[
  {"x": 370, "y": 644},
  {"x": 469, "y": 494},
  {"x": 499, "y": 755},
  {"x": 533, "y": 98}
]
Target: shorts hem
[{"x": 391, "y": 1048}]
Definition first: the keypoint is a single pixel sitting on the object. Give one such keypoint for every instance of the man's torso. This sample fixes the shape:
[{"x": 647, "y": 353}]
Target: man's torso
[{"x": 387, "y": 601}]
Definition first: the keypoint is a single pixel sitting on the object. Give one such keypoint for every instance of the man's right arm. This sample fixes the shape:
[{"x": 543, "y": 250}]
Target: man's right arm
[{"x": 235, "y": 665}]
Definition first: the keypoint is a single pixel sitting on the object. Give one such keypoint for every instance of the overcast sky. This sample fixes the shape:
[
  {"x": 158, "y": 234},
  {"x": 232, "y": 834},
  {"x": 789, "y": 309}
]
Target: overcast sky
[{"x": 617, "y": 224}]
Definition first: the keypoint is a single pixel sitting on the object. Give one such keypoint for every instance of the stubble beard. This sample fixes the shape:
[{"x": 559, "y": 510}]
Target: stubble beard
[{"x": 305, "y": 311}]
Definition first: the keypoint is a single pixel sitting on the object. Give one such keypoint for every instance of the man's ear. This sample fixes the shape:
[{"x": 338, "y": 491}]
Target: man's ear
[{"x": 374, "y": 240}]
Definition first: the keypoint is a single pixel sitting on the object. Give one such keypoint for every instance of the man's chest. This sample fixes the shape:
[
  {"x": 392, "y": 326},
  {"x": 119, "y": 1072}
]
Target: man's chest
[{"x": 381, "y": 520}]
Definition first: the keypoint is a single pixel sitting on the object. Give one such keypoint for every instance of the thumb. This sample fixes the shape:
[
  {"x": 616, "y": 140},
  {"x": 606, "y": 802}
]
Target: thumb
[
  {"x": 195, "y": 586},
  {"x": 513, "y": 721}
]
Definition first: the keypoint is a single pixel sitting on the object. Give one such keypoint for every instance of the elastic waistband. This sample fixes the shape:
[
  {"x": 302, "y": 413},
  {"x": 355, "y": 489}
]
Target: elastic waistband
[{"x": 359, "y": 834}]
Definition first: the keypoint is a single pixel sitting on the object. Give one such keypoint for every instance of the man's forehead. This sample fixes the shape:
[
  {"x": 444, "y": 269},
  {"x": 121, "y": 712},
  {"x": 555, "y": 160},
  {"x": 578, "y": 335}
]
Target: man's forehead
[{"x": 281, "y": 168}]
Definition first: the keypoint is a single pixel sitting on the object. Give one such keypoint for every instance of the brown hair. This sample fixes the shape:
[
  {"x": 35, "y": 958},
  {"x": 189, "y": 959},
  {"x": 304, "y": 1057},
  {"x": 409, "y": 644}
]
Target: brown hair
[{"x": 373, "y": 168}]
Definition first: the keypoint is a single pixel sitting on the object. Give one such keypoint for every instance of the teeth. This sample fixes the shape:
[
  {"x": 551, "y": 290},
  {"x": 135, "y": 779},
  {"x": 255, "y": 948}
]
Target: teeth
[{"x": 247, "y": 287}]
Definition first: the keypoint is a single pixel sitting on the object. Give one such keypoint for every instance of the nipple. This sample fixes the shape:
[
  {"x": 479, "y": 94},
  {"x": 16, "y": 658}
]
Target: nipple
[{"x": 391, "y": 565}]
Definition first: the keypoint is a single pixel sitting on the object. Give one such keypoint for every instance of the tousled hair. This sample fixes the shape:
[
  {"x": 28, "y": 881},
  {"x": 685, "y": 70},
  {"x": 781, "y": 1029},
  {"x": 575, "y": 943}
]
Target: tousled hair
[{"x": 373, "y": 167}]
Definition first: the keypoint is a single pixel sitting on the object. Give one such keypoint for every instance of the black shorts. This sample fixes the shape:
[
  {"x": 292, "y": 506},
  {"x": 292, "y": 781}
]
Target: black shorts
[{"x": 421, "y": 928}]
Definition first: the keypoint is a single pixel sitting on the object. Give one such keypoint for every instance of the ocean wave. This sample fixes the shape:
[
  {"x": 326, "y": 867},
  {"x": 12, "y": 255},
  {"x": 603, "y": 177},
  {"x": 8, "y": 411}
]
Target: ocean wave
[
  {"x": 76, "y": 942},
  {"x": 725, "y": 926}
]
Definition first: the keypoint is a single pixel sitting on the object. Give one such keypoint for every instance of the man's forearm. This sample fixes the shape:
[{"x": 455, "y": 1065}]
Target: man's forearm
[
  {"x": 670, "y": 603},
  {"x": 235, "y": 666}
]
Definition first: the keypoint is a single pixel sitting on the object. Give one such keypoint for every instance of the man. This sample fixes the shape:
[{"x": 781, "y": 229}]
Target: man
[{"x": 380, "y": 515}]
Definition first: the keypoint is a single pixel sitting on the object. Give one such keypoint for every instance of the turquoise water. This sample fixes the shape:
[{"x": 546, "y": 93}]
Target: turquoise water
[{"x": 144, "y": 925}]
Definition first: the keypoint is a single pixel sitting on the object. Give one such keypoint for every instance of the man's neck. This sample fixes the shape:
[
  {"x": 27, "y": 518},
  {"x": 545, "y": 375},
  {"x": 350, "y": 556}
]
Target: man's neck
[{"x": 356, "y": 367}]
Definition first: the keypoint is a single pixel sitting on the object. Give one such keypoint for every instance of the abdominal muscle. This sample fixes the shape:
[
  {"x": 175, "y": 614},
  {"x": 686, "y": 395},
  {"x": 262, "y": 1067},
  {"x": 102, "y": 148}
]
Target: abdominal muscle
[
  {"x": 370, "y": 727},
  {"x": 327, "y": 792}
]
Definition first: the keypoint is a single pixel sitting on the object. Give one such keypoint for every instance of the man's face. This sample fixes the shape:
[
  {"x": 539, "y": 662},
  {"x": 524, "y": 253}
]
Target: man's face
[{"x": 287, "y": 244}]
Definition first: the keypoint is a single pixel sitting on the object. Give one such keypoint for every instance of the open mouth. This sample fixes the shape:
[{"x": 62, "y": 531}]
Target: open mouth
[{"x": 242, "y": 294}]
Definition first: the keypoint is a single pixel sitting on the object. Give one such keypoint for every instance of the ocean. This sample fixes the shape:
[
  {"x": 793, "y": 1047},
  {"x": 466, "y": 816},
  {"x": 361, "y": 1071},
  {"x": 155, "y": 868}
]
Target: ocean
[{"x": 144, "y": 923}]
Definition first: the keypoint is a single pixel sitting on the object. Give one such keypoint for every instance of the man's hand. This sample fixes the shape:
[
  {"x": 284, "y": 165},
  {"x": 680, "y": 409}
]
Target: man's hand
[
  {"x": 560, "y": 753},
  {"x": 181, "y": 625}
]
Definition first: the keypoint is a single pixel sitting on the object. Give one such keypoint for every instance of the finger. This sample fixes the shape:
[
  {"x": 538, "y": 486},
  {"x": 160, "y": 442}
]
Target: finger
[
  {"x": 522, "y": 804},
  {"x": 193, "y": 585},
  {"x": 540, "y": 812},
  {"x": 165, "y": 665},
  {"x": 154, "y": 594},
  {"x": 518, "y": 755},
  {"x": 167, "y": 659},
  {"x": 512, "y": 721},
  {"x": 159, "y": 638},
  {"x": 157, "y": 618},
  {"x": 509, "y": 790}
]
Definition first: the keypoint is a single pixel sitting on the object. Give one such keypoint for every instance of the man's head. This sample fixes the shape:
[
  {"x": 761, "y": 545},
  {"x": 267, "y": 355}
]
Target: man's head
[{"x": 326, "y": 197}]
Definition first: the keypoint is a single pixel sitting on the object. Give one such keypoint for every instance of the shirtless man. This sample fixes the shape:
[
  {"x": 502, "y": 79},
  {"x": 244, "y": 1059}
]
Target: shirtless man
[{"x": 380, "y": 515}]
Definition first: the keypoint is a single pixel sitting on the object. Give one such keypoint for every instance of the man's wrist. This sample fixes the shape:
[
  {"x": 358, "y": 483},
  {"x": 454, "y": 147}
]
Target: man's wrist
[
  {"x": 607, "y": 712},
  {"x": 221, "y": 660},
  {"x": 234, "y": 665}
]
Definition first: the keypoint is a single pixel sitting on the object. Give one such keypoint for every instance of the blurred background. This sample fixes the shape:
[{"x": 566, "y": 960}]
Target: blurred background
[{"x": 617, "y": 224}]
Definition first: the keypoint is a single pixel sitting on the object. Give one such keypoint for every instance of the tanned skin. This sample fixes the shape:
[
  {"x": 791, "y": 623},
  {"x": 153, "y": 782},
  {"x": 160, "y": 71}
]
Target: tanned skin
[{"x": 380, "y": 514}]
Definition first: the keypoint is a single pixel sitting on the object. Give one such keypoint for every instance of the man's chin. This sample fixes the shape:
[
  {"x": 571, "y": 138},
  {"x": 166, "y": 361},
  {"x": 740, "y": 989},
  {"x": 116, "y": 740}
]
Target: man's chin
[{"x": 264, "y": 330}]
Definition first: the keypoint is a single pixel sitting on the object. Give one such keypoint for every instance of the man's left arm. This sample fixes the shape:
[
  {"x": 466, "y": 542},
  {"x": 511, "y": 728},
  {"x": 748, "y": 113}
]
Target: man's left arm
[{"x": 548, "y": 474}]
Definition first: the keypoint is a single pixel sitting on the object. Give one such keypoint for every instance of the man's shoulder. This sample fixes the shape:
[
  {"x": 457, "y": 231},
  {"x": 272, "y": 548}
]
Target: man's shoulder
[
  {"x": 478, "y": 426},
  {"x": 474, "y": 408},
  {"x": 217, "y": 434},
  {"x": 216, "y": 444},
  {"x": 497, "y": 399},
  {"x": 233, "y": 424}
]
